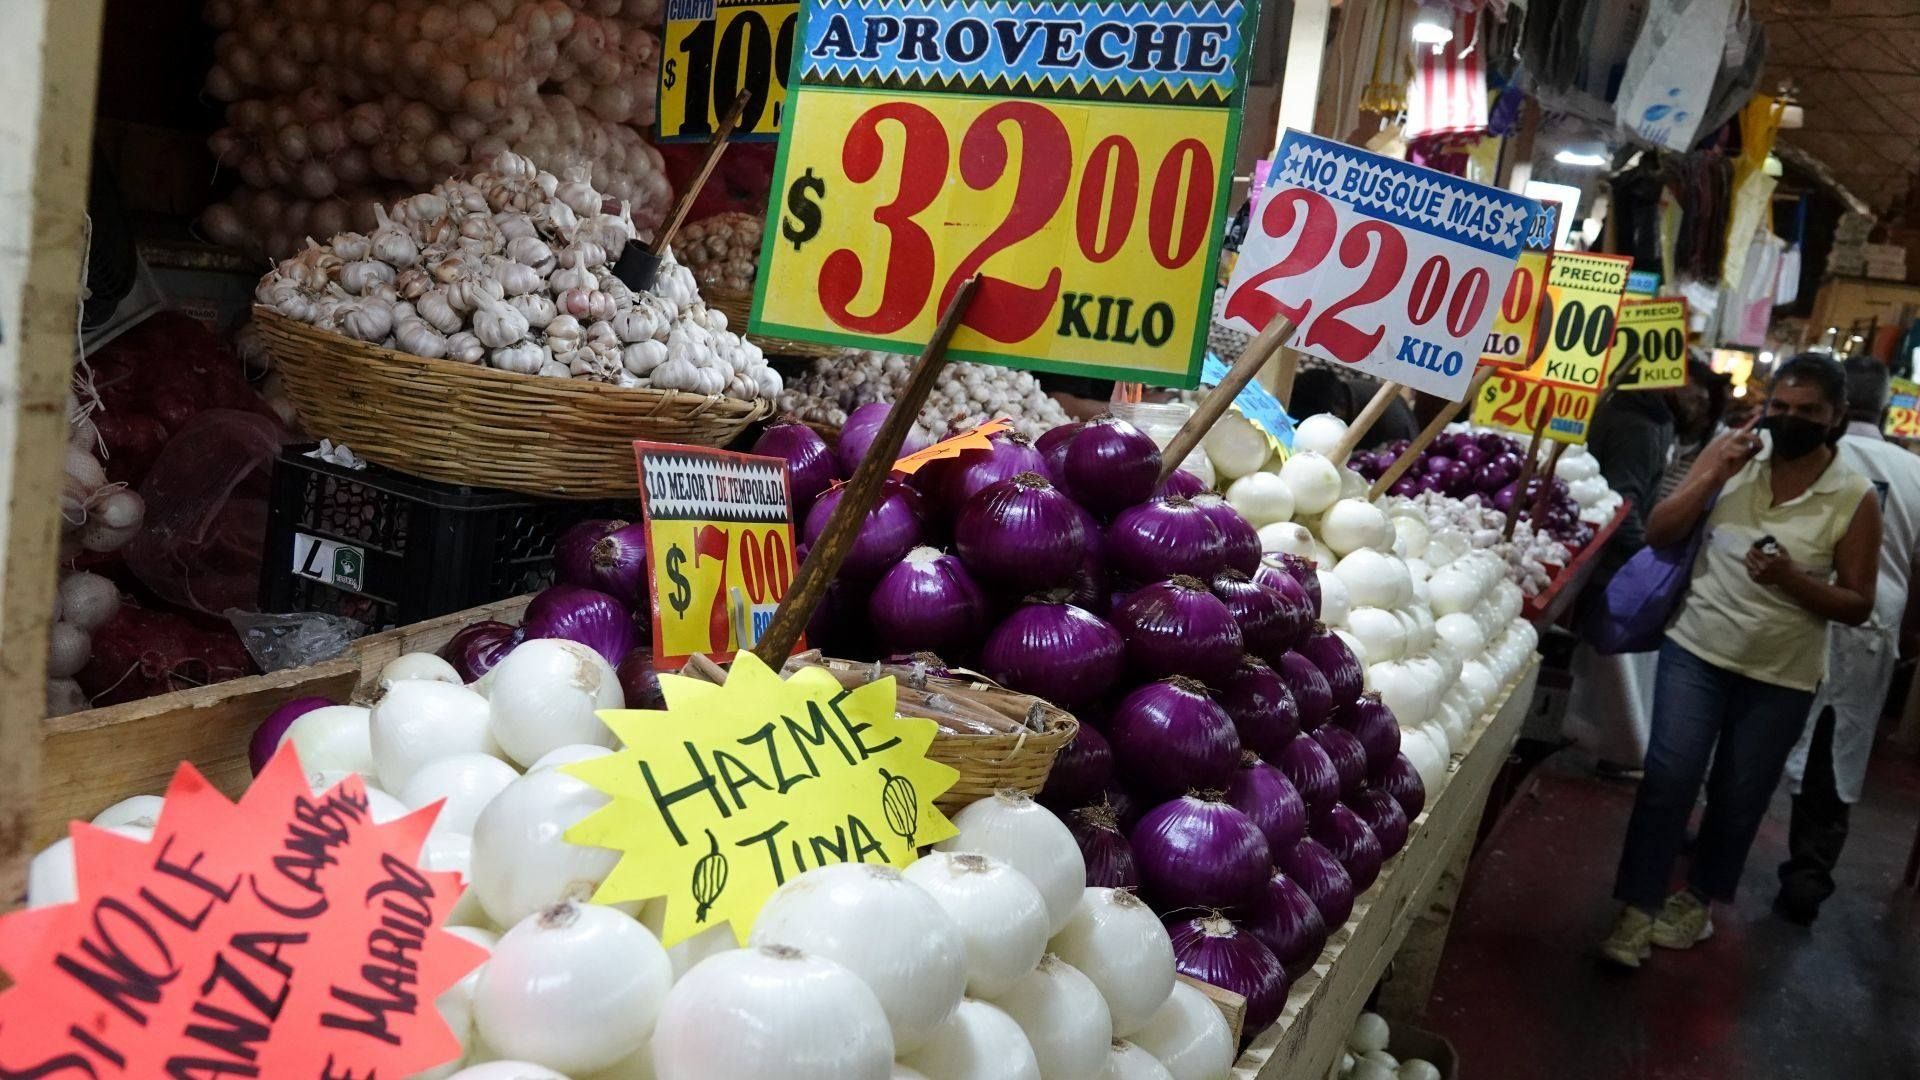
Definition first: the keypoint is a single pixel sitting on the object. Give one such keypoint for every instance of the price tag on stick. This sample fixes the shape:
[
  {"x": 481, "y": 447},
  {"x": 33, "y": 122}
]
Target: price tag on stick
[
  {"x": 1583, "y": 308},
  {"x": 713, "y": 49},
  {"x": 1514, "y": 339},
  {"x": 1514, "y": 402},
  {"x": 1654, "y": 332}
]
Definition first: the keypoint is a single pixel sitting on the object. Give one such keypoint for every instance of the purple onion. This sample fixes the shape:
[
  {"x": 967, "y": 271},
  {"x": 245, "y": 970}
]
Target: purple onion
[
  {"x": 1055, "y": 651},
  {"x": 862, "y": 427},
  {"x": 891, "y": 529},
  {"x": 1371, "y": 722},
  {"x": 1406, "y": 487},
  {"x": 1345, "y": 834},
  {"x": 1052, "y": 445},
  {"x": 609, "y": 555},
  {"x": 1108, "y": 854},
  {"x": 1008, "y": 454},
  {"x": 1267, "y": 797},
  {"x": 1298, "y": 607},
  {"x": 1164, "y": 537},
  {"x": 927, "y": 602},
  {"x": 1311, "y": 691},
  {"x": 1320, "y": 875},
  {"x": 1088, "y": 586},
  {"x": 588, "y": 616},
  {"x": 1287, "y": 921},
  {"x": 478, "y": 646},
  {"x": 1435, "y": 463},
  {"x": 1307, "y": 765},
  {"x": 1264, "y": 616},
  {"x": 839, "y": 625},
  {"x": 1305, "y": 573},
  {"x": 1169, "y": 737},
  {"x": 1212, "y": 949},
  {"x": 1182, "y": 483},
  {"x": 1384, "y": 816},
  {"x": 1348, "y": 756},
  {"x": 266, "y": 737},
  {"x": 1109, "y": 465},
  {"x": 1260, "y": 706},
  {"x": 1081, "y": 770},
  {"x": 1239, "y": 544},
  {"x": 639, "y": 682},
  {"x": 1177, "y": 627},
  {"x": 1402, "y": 781},
  {"x": 811, "y": 466},
  {"x": 1196, "y": 852},
  {"x": 1020, "y": 534},
  {"x": 1457, "y": 478},
  {"x": 1471, "y": 455},
  {"x": 1345, "y": 679}
]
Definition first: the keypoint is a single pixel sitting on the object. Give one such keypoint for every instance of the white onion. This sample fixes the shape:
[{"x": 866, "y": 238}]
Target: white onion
[
  {"x": 1351, "y": 524},
  {"x": 1126, "y": 1061},
  {"x": 1441, "y": 743},
  {"x": 1452, "y": 590},
  {"x": 1480, "y": 683},
  {"x": 88, "y": 600},
  {"x": 568, "y": 754},
  {"x": 1314, "y": 481},
  {"x": 132, "y": 810},
  {"x": 1369, "y": 1033},
  {"x": 688, "y": 952},
  {"x": 417, "y": 720},
  {"x": 333, "y": 738},
  {"x": 1262, "y": 498},
  {"x": 772, "y": 1011},
  {"x": 1453, "y": 720},
  {"x": 1065, "y": 1019},
  {"x": 68, "y": 650},
  {"x": 1416, "y": 1069},
  {"x": 1427, "y": 759},
  {"x": 1011, "y": 827},
  {"x": 1374, "y": 579},
  {"x": 456, "y": 1003},
  {"x": 544, "y": 694},
  {"x": 1321, "y": 434},
  {"x": 1115, "y": 940},
  {"x": 1420, "y": 628},
  {"x": 522, "y": 861},
  {"x": 1358, "y": 650},
  {"x": 1286, "y": 538},
  {"x": 1381, "y": 634},
  {"x": 1235, "y": 446},
  {"x": 978, "y": 1042},
  {"x": 1462, "y": 634},
  {"x": 1405, "y": 689},
  {"x": 1336, "y": 603},
  {"x": 883, "y": 928},
  {"x": 418, "y": 665},
  {"x": 52, "y": 874},
  {"x": 507, "y": 1070},
  {"x": 1189, "y": 1036},
  {"x": 468, "y": 782},
  {"x": 1410, "y": 536},
  {"x": 1000, "y": 915}
]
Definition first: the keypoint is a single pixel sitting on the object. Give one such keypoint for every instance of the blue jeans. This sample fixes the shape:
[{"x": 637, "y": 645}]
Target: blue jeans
[{"x": 1746, "y": 728}]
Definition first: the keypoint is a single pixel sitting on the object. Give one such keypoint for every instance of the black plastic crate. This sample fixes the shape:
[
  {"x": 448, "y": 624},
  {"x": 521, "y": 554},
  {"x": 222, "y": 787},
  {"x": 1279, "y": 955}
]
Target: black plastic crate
[{"x": 388, "y": 549}]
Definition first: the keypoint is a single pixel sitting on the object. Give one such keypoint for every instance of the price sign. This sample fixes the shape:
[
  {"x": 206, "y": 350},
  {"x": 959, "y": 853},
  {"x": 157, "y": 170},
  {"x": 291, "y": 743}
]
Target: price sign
[
  {"x": 1903, "y": 411},
  {"x": 1514, "y": 402},
  {"x": 1392, "y": 268},
  {"x": 719, "y": 548},
  {"x": 1075, "y": 156},
  {"x": 1583, "y": 307},
  {"x": 1514, "y": 339},
  {"x": 1655, "y": 331},
  {"x": 1644, "y": 283},
  {"x": 290, "y": 935},
  {"x": 1256, "y": 403},
  {"x": 713, "y": 49},
  {"x": 731, "y": 791}
]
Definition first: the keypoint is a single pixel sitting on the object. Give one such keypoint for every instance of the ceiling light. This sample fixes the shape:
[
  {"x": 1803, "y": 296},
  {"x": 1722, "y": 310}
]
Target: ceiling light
[
  {"x": 1432, "y": 27},
  {"x": 1581, "y": 159}
]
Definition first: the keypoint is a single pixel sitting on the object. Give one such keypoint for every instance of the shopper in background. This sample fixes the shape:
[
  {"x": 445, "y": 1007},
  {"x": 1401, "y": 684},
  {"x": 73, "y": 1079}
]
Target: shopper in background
[
  {"x": 1698, "y": 408},
  {"x": 1317, "y": 390},
  {"x": 1791, "y": 543},
  {"x": 1829, "y": 766}
]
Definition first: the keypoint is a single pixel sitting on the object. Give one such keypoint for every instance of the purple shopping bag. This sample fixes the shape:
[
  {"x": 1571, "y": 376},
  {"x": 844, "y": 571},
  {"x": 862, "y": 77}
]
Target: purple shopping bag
[{"x": 1632, "y": 612}]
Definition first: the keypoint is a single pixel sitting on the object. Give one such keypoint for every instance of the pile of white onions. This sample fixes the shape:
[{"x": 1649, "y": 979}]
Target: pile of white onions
[
  {"x": 964, "y": 395},
  {"x": 1366, "y": 1056}
]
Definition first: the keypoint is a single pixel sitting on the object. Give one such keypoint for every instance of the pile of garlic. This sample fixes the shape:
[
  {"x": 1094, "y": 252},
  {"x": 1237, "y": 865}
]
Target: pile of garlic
[
  {"x": 513, "y": 268},
  {"x": 964, "y": 395},
  {"x": 723, "y": 251}
]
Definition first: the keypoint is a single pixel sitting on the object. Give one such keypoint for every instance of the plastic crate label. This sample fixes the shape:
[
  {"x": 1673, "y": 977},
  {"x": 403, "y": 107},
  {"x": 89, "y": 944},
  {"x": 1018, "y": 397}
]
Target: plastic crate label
[{"x": 342, "y": 566}]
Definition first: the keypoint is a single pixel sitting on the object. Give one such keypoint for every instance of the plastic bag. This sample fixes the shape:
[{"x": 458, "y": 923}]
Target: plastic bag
[
  {"x": 279, "y": 642},
  {"x": 1667, "y": 95}
]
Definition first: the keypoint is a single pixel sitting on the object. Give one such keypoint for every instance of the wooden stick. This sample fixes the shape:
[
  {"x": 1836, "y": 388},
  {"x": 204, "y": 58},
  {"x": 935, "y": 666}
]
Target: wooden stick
[
  {"x": 825, "y": 556},
  {"x": 1425, "y": 439},
  {"x": 1547, "y": 472},
  {"x": 1283, "y": 376},
  {"x": 1527, "y": 469},
  {"x": 714, "y": 149},
  {"x": 1365, "y": 421},
  {"x": 1258, "y": 351}
]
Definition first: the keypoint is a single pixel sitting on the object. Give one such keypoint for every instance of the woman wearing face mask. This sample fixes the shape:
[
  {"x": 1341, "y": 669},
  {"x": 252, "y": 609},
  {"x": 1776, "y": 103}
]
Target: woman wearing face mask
[{"x": 1791, "y": 542}]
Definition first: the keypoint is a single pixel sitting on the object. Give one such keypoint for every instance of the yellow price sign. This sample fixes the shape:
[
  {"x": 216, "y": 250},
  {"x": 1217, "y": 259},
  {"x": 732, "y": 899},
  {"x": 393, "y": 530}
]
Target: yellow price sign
[
  {"x": 720, "y": 548},
  {"x": 1655, "y": 332},
  {"x": 1514, "y": 402},
  {"x": 1582, "y": 309},
  {"x": 1077, "y": 158},
  {"x": 713, "y": 49},
  {"x": 1515, "y": 335},
  {"x": 1903, "y": 410},
  {"x": 731, "y": 791}
]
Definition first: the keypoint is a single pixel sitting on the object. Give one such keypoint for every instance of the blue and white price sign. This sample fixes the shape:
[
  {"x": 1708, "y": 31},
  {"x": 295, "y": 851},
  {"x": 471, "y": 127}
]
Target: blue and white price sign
[{"x": 1255, "y": 403}]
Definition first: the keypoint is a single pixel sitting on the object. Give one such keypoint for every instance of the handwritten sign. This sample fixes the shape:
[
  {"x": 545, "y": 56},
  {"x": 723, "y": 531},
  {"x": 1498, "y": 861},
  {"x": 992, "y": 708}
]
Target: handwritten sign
[
  {"x": 732, "y": 790},
  {"x": 1515, "y": 337},
  {"x": 1076, "y": 156},
  {"x": 713, "y": 49},
  {"x": 1903, "y": 410},
  {"x": 1257, "y": 404},
  {"x": 285, "y": 936},
  {"x": 1655, "y": 332},
  {"x": 1583, "y": 307},
  {"x": 719, "y": 547},
  {"x": 1391, "y": 268},
  {"x": 952, "y": 447},
  {"x": 1513, "y": 402}
]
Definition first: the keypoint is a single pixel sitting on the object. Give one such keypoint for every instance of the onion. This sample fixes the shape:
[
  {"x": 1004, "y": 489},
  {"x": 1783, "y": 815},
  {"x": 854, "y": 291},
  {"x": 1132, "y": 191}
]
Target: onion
[
  {"x": 544, "y": 695},
  {"x": 417, "y": 720},
  {"x": 1384, "y": 818},
  {"x": 1348, "y": 756},
  {"x": 332, "y": 738},
  {"x": 1014, "y": 829},
  {"x": 1108, "y": 465},
  {"x": 928, "y": 602},
  {"x": 1300, "y": 569},
  {"x": 466, "y": 782},
  {"x": 266, "y": 737},
  {"x": 1287, "y": 922},
  {"x": 639, "y": 682},
  {"x": 1188, "y": 1035},
  {"x": 1008, "y": 454},
  {"x": 811, "y": 467},
  {"x": 1352, "y": 524},
  {"x": 890, "y": 530},
  {"x": 1406, "y": 689},
  {"x": 142, "y": 810},
  {"x": 1346, "y": 835},
  {"x": 417, "y": 666},
  {"x": 577, "y": 987},
  {"x": 1182, "y": 483},
  {"x": 769, "y": 1010},
  {"x": 1286, "y": 538},
  {"x": 1320, "y": 433},
  {"x": 1311, "y": 691},
  {"x": 1215, "y": 951},
  {"x": 1169, "y": 737},
  {"x": 1314, "y": 481},
  {"x": 1235, "y": 446},
  {"x": 613, "y": 561},
  {"x": 978, "y": 1042},
  {"x": 1335, "y": 601},
  {"x": 1103, "y": 847},
  {"x": 1081, "y": 770},
  {"x": 1322, "y": 878},
  {"x": 1346, "y": 680},
  {"x": 1269, "y": 800},
  {"x": 878, "y": 925},
  {"x": 522, "y": 861},
  {"x": 1165, "y": 537},
  {"x": 1052, "y": 445},
  {"x": 1239, "y": 544},
  {"x": 1298, "y": 604},
  {"x": 1261, "y": 707},
  {"x": 477, "y": 647},
  {"x": 1000, "y": 914},
  {"x": 1262, "y": 498},
  {"x": 88, "y": 600},
  {"x": 1126, "y": 1061},
  {"x": 1116, "y": 941},
  {"x": 1064, "y": 1017},
  {"x": 1402, "y": 781},
  {"x": 1177, "y": 627},
  {"x": 595, "y": 619},
  {"x": 1020, "y": 534},
  {"x": 1196, "y": 852},
  {"x": 1381, "y": 634},
  {"x": 1311, "y": 771},
  {"x": 1374, "y": 579},
  {"x": 1266, "y": 619},
  {"x": 1055, "y": 651},
  {"x": 858, "y": 433}
]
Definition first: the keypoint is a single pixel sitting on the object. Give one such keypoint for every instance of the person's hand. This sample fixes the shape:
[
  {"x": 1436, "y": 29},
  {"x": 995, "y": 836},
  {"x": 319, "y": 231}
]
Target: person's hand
[
  {"x": 1768, "y": 569},
  {"x": 1729, "y": 453}
]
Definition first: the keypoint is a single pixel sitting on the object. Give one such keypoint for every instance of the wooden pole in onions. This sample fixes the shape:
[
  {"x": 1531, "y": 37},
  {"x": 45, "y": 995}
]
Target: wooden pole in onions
[
  {"x": 1363, "y": 423},
  {"x": 863, "y": 489},
  {"x": 1252, "y": 359},
  {"x": 1425, "y": 439},
  {"x": 1527, "y": 469}
]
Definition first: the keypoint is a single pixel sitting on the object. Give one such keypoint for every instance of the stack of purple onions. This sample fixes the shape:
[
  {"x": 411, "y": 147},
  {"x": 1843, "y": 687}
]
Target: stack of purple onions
[{"x": 1487, "y": 464}]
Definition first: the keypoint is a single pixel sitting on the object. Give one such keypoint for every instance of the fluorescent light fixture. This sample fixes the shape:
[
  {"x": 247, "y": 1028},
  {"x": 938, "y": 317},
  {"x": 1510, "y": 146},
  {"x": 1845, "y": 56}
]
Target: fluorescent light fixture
[
  {"x": 1432, "y": 27},
  {"x": 1581, "y": 159}
]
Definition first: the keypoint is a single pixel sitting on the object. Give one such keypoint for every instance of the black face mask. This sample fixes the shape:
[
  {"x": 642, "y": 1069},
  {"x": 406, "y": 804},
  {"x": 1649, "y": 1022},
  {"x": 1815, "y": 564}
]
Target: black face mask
[{"x": 1795, "y": 436}]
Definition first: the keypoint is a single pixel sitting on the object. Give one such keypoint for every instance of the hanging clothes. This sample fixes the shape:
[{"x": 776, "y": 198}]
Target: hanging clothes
[{"x": 1448, "y": 92}]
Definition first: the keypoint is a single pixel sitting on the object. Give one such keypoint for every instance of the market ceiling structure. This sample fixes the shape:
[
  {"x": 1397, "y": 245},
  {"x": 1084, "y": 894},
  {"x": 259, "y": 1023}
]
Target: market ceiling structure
[{"x": 1854, "y": 65}]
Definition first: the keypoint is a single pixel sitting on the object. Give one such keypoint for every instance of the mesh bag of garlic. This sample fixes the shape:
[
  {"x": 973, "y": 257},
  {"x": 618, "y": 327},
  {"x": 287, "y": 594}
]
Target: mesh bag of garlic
[{"x": 723, "y": 251}]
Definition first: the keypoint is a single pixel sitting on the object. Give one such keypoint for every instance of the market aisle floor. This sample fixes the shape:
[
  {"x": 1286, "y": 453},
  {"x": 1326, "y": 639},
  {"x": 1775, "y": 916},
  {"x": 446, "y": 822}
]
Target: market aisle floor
[{"x": 1522, "y": 998}]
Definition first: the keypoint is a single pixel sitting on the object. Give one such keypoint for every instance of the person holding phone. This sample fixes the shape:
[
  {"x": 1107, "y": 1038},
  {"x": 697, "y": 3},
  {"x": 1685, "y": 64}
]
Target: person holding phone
[{"x": 1791, "y": 543}]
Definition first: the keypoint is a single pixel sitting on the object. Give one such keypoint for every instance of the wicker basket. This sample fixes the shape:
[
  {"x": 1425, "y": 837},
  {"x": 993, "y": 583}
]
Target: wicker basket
[
  {"x": 738, "y": 308},
  {"x": 465, "y": 424}
]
